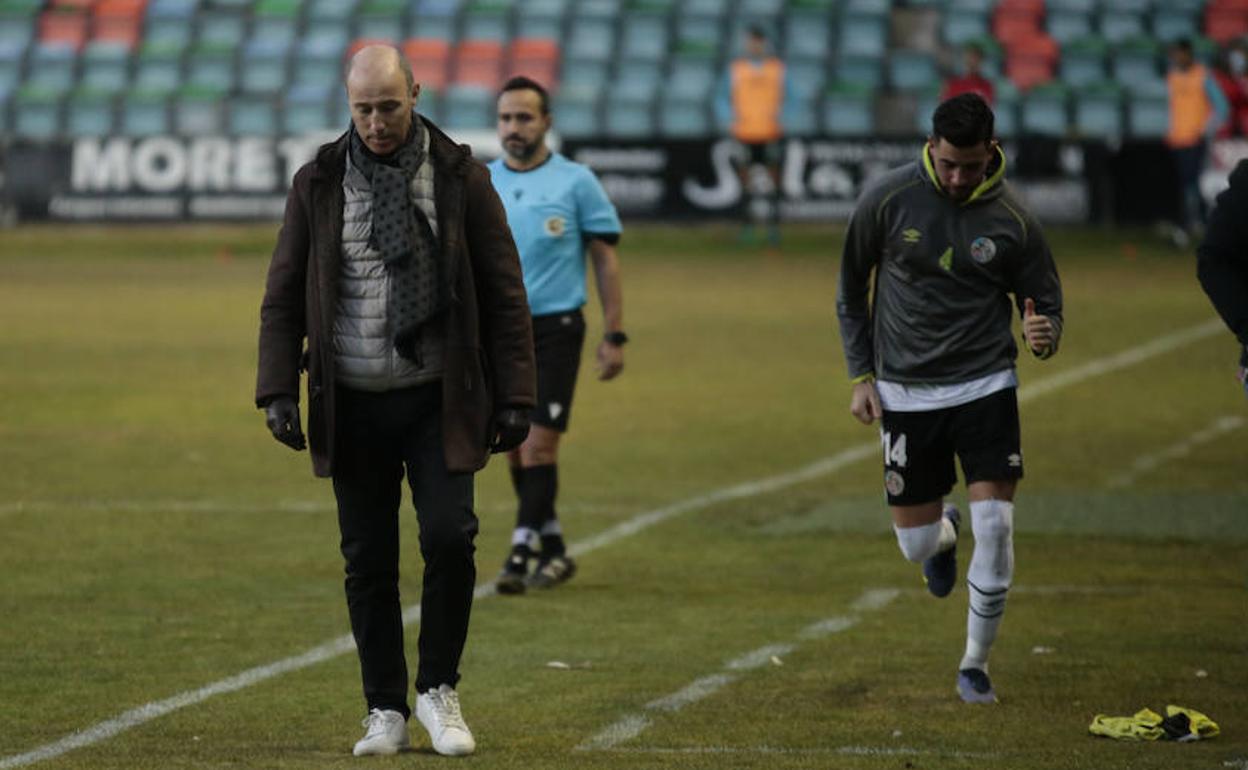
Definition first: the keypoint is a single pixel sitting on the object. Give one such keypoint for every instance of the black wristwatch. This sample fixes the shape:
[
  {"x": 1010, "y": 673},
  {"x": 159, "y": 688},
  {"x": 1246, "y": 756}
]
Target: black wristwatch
[{"x": 615, "y": 338}]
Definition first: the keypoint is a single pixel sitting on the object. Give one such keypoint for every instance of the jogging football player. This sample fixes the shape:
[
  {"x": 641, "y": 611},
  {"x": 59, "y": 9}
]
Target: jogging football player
[
  {"x": 557, "y": 211},
  {"x": 931, "y": 354}
]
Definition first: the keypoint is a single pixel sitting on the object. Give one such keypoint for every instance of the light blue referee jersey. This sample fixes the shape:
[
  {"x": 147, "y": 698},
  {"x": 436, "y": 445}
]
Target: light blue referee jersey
[{"x": 551, "y": 210}]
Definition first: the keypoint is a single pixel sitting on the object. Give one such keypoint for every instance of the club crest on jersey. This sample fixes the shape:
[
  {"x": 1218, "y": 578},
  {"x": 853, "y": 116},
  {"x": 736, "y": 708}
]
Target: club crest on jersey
[
  {"x": 983, "y": 249},
  {"x": 894, "y": 483},
  {"x": 555, "y": 226}
]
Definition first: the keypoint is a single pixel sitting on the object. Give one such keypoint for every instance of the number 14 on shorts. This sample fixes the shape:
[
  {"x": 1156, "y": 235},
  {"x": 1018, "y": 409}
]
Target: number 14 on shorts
[{"x": 894, "y": 449}]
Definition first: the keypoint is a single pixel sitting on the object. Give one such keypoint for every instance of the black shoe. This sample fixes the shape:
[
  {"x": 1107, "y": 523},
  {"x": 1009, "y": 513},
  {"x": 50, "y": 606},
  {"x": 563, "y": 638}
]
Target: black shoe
[
  {"x": 974, "y": 686},
  {"x": 552, "y": 571},
  {"x": 940, "y": 572},
  {"x": 514, "y": 574}
]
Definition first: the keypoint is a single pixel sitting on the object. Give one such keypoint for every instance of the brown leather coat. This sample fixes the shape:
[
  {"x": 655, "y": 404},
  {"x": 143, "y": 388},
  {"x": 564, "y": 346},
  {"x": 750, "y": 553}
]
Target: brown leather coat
[{"x": 488, "y": 356}]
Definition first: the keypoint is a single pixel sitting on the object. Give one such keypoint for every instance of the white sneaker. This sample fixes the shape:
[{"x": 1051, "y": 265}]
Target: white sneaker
[
  {"x": 387, "y": 733},
  {"x": 438, "y": 711}
]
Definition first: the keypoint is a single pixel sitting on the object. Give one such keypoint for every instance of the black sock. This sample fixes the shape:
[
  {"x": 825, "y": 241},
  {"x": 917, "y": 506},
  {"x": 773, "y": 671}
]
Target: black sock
[
  {"x": 542, "y": 483},
  {"x": 537, "y": 497},
  {"x": 517, "y": 479}
]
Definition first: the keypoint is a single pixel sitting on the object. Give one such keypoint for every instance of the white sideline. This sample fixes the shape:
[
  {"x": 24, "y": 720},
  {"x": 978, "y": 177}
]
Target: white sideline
[
  {"x": 853, "y": 751},
  {"x": 342, "y": 645},
  {"x": 1148, "y": 462},
  {"x": 632, "y": 725}
]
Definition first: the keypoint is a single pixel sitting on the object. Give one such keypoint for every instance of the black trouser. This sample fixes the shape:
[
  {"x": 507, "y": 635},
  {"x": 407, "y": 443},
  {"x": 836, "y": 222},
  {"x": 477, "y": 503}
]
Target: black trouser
[
  {"x": 1190, "y": 163},
  {"x": 378, "y": 434}
]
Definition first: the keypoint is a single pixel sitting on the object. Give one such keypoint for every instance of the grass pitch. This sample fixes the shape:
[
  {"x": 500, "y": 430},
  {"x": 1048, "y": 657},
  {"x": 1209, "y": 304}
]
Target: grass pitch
[{"x": 157, "y": 540}]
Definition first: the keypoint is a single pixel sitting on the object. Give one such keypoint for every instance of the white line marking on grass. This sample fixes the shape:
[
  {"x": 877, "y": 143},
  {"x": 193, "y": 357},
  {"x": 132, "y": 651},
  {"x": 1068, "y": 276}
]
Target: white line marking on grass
[
  {"x": 1149, "y": 462},
  {"x": 855, "y": 751},
  {"x": 147, "y": 712},
  {"x": 633, "y": 725}
]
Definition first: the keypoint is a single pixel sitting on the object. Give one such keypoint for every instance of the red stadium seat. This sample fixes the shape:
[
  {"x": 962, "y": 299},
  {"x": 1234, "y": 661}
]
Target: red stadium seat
[
  {"x": 537, "y": 58},
  {"x": 1224, "y": 25},
  {"x": 64, "y": 27},
  {"x": 1033, "y": 8},
  {"x": 430, "y": 58},
  {"x": 1028, "y": 71},
  {"x": 1009, "y": 28},
  {"x": 119, "y": 20},
  {"x": 479, "y": 63}
]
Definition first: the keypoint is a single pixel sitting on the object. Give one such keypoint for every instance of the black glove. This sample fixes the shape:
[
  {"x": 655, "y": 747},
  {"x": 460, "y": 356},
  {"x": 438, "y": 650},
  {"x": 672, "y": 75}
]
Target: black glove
[
  {"x": 511, "y": 427},
  {"x": 282, "y": 417}
]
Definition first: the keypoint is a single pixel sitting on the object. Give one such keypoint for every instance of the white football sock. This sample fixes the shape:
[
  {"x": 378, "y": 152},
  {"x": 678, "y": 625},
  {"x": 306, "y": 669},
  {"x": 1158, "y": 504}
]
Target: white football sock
[
  {"x": 919, "y": 543},
  {"x": 988, "y": 578},
  {"x": 523, "y": 536}
]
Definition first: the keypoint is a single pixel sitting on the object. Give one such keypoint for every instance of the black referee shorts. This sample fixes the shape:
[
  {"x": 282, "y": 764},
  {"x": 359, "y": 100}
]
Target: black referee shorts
[
  {"x": 557, "y": 342},
  {"x": 919, "y": 447}
]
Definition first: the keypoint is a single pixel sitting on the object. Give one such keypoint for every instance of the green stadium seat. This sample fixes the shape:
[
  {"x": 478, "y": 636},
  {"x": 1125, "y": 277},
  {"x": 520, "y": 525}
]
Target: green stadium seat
[
  {"x": 51, "y": 68},
  {"x": 105, "y": 68},
  {"x": 1045, "y": 111},
  {"x": 211, "y": 67},
  {"x": 227, "y": 29},
  {"x": 714, "y": 8},
  {"x": 1137, "y": 66},
  {"x": 157, "y": 69},
  {"x": 276, "y": 31},
  {"x": 167, "y": 31},
  {"x": 1098, "y": 112},
  {"x": 699, "y": 35}
]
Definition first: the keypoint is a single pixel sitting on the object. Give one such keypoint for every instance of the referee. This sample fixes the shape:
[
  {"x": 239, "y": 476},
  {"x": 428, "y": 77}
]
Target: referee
[{"x": 556, "y": 209}]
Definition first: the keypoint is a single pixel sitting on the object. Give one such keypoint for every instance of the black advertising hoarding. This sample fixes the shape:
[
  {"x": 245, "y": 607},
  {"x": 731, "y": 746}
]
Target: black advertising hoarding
[{"x": 168, "y": 178}]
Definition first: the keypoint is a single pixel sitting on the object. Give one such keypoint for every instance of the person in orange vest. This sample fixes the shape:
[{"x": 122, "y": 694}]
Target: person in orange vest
[
  {"x": 1197, "y": 110},
  {"x": 752, "y": 100}
]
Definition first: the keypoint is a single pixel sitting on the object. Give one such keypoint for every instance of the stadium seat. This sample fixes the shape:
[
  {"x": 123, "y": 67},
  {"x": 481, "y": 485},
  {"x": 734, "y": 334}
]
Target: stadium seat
[
  {"x": 157, "y": 69},
  {"x": 1066, "y": 27},
  {"x": 760, "y": 8},
  {"x": 535, "y": 58},
  {"x": 431, "y": 61},
  {"x": 863, "y": 35},
  {"x": 36, "y": 113},
  {"x": 806, "y": 35},
  {"x": 539, "y": 25},
  {"x": 1009, "y": 27},
  {"x": 1083, "y": 62},
  {"x": 69, "y": 29},
  {"x": 211, "y": 67},
  {"x": 629, "y": 120},
  {"x": 105, "y": 67},
  {"x": 1139, "y": 7},
  {"x": 479, "y": 63},
  {"x": 172, "y": 9},
  {"x": 576, "y": 115},
  {"x": 590, "y": 39},
  {"x": 1223, "y": 26},
  {"x": 198, "y": 113},
  {"x": 175, "y": 32},
  {"x": 1137, "y": 67},
  {"x": 603, "y": 10},
  {"x": 336, "y": 11},
  {"x": 1072, "y": 6},
  {"x": 144, "y": 115},
  {"x": 580, "y": 78},
  {"x": 468, "y": 107},
  {"x": 1098, "y": 112},
  {"x": 486, "y": 24},
  {"x": 1119, "y": 26},
  {"x": 848, "y": 110},
  {"x": 961, "y": 28},
  {"x": 679, "y": 119},
  {"x": 252, "y": 117},
  {"x": 376, "y": 28},
  {"x": 227, "y": 29},
  {"x": 262, "y": 73},
  {"x": 958, "y": 7},
  {"x": 1168, "y": 26},
  {"x": 51, "y": 68},
  {"x": 636, "y": 81},
  {"x": 807, "y": 77},
  {"x": 118, "y": 20},
  {"x": 305, "y": 110},
  {"x": 89, "y": 114},
  {"x": 713, "y": 8},
  {"x": 645, "y": 37},
  {"x": 1045, "y": 111},
  {"x": 1148, "y": 118},
  {"x": 912, "y": 70},
  {"x": 868, "y": 7},
  {"x": 691, "y": 77},
  {"x": 864, "y": 70}
]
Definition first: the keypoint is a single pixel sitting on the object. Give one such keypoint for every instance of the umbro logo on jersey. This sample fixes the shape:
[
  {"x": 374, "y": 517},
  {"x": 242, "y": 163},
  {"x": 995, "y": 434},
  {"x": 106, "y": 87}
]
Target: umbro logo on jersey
[
  {"x": 911, "y": 235},
  {"x": 1015, "y": 460}
]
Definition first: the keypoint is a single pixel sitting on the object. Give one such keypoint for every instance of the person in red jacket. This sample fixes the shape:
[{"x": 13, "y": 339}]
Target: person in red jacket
[{"x": 972, "y": 80}]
